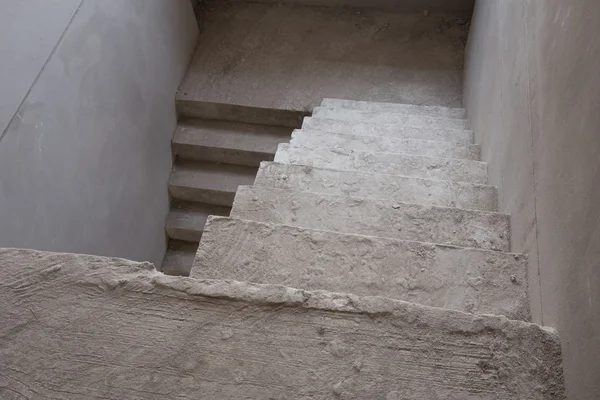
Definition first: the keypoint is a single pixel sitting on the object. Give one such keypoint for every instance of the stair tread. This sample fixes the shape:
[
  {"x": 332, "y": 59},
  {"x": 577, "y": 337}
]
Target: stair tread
[
  {"x": 235, "y": 326},
  {"x": 463, "y": 279},
  {"x": 388, "y": 144},
  {"x": 186, "y": 219},
  {"x": 376, "y": 117},
  {"x": 179, "y": 258},
  {"x": 384, "y": 163},
  {"x": 447, "y": 112},
  {"x": 378, "y": 186},
  {"x": 230, "y": 135},
  {"x": 345, "y": 214},
  {"x": 395, "y": 130}
]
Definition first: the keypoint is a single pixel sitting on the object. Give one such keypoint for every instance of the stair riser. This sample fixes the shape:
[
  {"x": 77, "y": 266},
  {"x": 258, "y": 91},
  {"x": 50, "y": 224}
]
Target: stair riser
[
  {"x": 386, "y": 144},
  {"x": 389, "y": 118},
  {"x": 385, "y": 187},
  {"x": 221, "y": 155},
  {"x": 426, "y": 111},
  {"x": 185, "y": 235},
  {"x": 374, "y": 218},
  {"x": 202, "y": 195},
  {"x": 385, "y": 163},
  {"x": 394, "y": 130},
  {"x": 461, "y": 279}
]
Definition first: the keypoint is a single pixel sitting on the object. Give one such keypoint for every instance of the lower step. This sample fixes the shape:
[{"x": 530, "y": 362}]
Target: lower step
[
  {"x": 232, "y": 340},
  {"x": 179, "y": 258},
  {"x": 449, "y": 169},
  {"x": 453, "y": 226},
  {"x": 469, "y": 280},
  {"x": 377, "y": 186},
  {"x": 186, "y": 219}
]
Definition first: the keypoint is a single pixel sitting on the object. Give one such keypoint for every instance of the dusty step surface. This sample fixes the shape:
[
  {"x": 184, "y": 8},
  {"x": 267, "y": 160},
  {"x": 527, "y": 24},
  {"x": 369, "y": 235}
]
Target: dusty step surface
[
  {"x": 179, "y": 258},
  {"x": 208, "y": 183},
  {"x": 394, "y": 130},
  {"x": 305, "y": 178},
  {"x": 232, "y": 340},
  {"x": 389, "y": 118},
  {"x": 387, "y": 144},
  {"x": 186, "y": 219},
  {"x": 431, "y": 111},
  {"x": 384, "y": 163},
  {"x": 469, "y": 280},
  {"x": 227, "y": 142},
  {"x": 372, "y": 217}
]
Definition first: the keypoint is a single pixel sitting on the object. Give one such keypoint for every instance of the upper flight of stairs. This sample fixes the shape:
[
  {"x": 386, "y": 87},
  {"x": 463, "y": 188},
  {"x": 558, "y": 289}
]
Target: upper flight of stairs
[{"x": 391, "y": 200}]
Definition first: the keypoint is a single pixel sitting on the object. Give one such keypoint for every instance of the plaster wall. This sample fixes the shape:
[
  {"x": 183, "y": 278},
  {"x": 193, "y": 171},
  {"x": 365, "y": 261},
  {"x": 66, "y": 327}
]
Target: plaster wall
[
  {"x": 86, "y": 117},
  {"x": 532, "y": 95}
]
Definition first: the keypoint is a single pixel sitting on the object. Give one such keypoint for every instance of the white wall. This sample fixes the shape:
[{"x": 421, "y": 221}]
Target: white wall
[{"x": 87, "y": 121}]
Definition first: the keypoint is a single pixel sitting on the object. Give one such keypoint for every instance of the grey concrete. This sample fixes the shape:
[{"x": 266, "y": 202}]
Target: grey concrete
[
  {"x": 468, "y": 280},
  {"x": 227, "y": 142},
  {"x": 384, "y": 163},
  {"x": 81, "y": 326},
  {"x": 179, "y": 258},
  {"x": 532, "y": 93},
  {"x": 378, "y": 117},
  {"x": 29, "y": 31},
  {"x": 377, "y": 186},
  {"x": 386, "y": 144},
  {"x": 373, "y": 217},
  {"x": 186, "y": 219},
  {"x": 207, "y": 182},
  {"x": 400, "y": 131},
  {"x": 431, "y": 111},
  {"x": 463, "y": 6},
  {"x": 301, "y": 55},
  {"x": 84, "y": 164}
]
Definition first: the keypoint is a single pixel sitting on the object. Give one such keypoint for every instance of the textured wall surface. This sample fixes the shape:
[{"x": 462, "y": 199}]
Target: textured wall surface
[
  {"x": 87, "y": 122},
  {"x": 533, "y": 94}
]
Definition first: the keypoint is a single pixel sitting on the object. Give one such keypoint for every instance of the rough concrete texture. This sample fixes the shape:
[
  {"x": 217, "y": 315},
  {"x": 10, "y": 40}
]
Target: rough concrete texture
[
  {"x": 429, "y": 111},
  {"x": 378, "y": 186},
  {"x": 469, "y": 280},
  {"x": 317, "y": 52},
  {"x": 373, "y": 217},
  {"x": 532, "y": 93},
  {"x": 227, "y": 142},
  {"x": 377, "y": 117},
  {"x": 79, "y": 326},
  {"x": 383, "y": 163},
  {"x": 395, "y": 130},
  {"x": 387, "y": 144},
  {"x": 85, "y": 160}
]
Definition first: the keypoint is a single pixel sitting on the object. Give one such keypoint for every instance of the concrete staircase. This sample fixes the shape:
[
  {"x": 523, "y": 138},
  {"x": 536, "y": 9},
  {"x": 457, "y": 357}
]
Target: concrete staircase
[{"x": 390, "y": 200}]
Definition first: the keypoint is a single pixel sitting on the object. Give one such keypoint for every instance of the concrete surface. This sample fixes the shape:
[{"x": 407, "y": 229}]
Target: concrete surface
[
  {"x": 186, "y": 219},
  {"x": 532, "y": 94},
  {"x": 394, "y": 130},
  {"x": 386, "y": 144},
  {"x": 371, "y": 217},
  {"x": 85, "y": 162},
  {"x": 318, "y": 52},
  {"x": 377, "y": 186},
  {"x": 383, "y": 163},
  {"x": 445, "y": 112},
  {"x": 469, "y": 280},
  {"x": 82, "y": 326},
  {"x": 465, "y": 6}
]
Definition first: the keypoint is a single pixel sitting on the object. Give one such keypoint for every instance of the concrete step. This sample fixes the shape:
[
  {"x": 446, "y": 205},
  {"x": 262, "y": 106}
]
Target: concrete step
[
  {"x": 402, "y": 131},
  {"x": 427, "y": 148},
  {"x": 377, "y": 186},
  {"x": 389, "y": 118},
  {"x": 233, "y": 340},
  {"x": 384, "y": 163},
  {"x": 227, "y": 142},
  {"x": 453, "y": 226},
  {"x": 462, "y": 279},
  {"x": 431, "y": 111},
  {"x": 188, "y": 107},
  {"x": 186, "y": 219},
  {"x": 208, "y": 183},
  {"x": 179, "y": 258}
]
